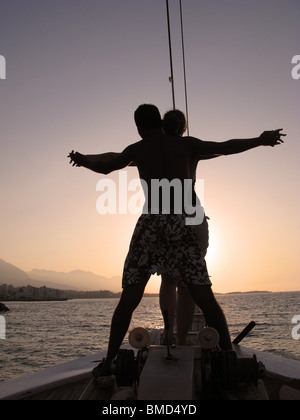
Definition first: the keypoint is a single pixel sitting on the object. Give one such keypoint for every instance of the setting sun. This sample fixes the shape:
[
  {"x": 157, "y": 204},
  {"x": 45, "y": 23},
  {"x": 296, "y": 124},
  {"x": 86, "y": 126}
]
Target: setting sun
[{"x": 213, "y": 253}]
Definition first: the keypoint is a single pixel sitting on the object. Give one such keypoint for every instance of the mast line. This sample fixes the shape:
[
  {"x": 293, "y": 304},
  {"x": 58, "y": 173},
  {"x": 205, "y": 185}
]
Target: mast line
[
  {"x": 184, "y": 69},
  {"x": 171, "y": 55}
]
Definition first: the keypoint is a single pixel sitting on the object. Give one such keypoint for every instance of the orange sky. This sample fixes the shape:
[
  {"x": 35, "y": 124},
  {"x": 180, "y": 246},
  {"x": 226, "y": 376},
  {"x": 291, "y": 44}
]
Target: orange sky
[{"x": 76, "y": 86}]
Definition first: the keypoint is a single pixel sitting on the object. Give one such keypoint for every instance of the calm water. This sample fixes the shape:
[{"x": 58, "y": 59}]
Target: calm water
[{"x": 41, "y": 334}]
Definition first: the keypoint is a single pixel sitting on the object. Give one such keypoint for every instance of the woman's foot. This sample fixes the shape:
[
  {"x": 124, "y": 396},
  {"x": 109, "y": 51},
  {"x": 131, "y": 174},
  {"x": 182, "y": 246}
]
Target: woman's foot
[{"x": 163, "y": 340}]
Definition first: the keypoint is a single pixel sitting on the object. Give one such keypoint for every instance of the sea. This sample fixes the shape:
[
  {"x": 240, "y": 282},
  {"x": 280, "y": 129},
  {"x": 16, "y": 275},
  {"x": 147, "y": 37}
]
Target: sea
[{"x": 43, "y": 334}]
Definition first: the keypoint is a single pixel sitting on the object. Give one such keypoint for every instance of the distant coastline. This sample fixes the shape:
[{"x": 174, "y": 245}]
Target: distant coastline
[
  {"x": 49, "y": 285},
  {"x": 9, "y": 293},
  {"x": 98, "y": 294},
  {"x": 34, "y": 300},
  {"x": 106, "y": 294},
  {"x": 29, "y": 293},
  {"x": 243, "y": 293},
  {"x": 65, "y": 295}
]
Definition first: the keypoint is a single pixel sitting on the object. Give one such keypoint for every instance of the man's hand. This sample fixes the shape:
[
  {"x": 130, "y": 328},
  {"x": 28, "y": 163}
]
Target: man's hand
[
  {"x": 76, "y": 159},
  {"x": 272, "y": 138}
]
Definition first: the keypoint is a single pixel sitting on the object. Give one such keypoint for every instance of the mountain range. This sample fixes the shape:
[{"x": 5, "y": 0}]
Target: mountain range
[{"x": 73, "y": 280}]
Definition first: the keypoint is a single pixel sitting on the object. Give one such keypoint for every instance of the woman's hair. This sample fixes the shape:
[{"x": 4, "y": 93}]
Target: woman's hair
[{"x": 174, "y": 123}]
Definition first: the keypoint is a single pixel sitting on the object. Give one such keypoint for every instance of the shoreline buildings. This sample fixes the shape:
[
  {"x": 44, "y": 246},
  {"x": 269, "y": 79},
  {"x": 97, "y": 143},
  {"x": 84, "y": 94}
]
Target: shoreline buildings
[{"x": 9, "y": 292}]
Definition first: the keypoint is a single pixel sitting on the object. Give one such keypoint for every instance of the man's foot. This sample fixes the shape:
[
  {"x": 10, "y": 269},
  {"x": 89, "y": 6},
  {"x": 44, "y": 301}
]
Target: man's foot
[{"x": 103, "y": 376}]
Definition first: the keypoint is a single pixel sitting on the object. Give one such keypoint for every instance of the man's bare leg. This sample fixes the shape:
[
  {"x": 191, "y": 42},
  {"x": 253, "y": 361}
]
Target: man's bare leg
[
  {"x": 129, "y": 300},
  {"x": 204, "y": 298}
]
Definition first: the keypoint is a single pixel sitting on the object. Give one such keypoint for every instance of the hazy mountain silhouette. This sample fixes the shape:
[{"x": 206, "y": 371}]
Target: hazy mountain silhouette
[
  {"x": 77, "y": 279},
  {"x": 10, "y": 274},
  {"x": 73, "y": 280}
]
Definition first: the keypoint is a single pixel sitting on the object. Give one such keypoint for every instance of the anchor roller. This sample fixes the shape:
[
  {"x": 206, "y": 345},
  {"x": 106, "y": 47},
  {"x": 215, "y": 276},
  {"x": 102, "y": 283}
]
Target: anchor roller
[
  {"x": 139, "y": 338},
  {"x": 208, "y": 338}
]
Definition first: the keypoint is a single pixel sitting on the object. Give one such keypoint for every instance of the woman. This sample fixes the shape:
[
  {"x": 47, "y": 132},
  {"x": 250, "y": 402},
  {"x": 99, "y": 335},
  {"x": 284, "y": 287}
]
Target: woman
[{"x": 180, "y": 303}]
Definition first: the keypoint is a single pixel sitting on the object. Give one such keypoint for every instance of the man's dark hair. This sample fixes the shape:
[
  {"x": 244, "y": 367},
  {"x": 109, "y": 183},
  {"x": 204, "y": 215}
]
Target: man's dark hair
[{"x": 147, "y": 117}]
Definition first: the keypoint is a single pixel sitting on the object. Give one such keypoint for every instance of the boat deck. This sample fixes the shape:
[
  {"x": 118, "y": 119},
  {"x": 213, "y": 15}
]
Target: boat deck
[
  {"x": 74, "y": 391},
  {"x": 277, "y": 388},
  {"x": 71, "y": 391},
  {"x": 71, "y": 380}
]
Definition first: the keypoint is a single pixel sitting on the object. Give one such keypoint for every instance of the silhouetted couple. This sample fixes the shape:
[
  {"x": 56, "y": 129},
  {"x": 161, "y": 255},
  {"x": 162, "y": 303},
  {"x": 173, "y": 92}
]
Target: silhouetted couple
[{"x": 165, "y": 242}]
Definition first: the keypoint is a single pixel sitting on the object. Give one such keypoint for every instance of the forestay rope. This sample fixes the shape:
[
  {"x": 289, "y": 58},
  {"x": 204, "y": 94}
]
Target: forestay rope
[
  {"x": 184, "y": 69},
  {"x": 171, "y": 79}
]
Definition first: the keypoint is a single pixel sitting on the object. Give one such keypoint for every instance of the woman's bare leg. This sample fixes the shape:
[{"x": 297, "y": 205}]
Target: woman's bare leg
[
  {"x": 184, "y": 314},
  {"x": 167, "y": 300}
]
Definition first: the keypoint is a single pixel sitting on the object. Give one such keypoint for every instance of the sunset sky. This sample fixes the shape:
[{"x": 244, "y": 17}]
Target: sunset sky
[{"x": 76, "y": 70}]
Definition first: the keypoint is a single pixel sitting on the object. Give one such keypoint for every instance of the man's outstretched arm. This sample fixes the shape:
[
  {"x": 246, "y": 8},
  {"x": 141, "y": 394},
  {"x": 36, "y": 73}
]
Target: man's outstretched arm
[
  {"x": 103, "y": 163},
  {"x": 230, "y": 147}
]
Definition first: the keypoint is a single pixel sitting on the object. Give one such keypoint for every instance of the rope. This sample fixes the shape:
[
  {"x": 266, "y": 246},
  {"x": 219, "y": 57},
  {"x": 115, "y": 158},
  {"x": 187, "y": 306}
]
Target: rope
[
  {"x": 171, "y": 79},
  {"x": 171, "y": 55},
  {"x": 184, "y": 69}
]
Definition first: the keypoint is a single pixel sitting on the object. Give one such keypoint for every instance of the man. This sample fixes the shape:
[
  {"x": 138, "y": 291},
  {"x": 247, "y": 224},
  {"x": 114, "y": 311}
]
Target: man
[
  {"x": 174, "y": 124},
  {"x": 164, "y": 240}
]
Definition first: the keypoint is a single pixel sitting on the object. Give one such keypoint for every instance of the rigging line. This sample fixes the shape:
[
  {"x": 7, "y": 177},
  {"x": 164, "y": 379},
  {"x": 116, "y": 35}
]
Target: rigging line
[
  {"x": 171, "y": 55},
  {"x": 184, "y": 69}
]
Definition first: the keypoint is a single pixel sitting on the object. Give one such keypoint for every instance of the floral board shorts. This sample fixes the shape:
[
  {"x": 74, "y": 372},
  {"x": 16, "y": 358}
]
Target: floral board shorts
[{"x": 164, "y": 243}]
